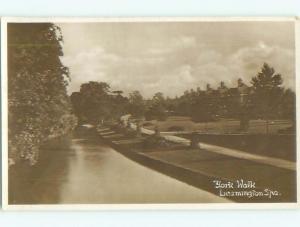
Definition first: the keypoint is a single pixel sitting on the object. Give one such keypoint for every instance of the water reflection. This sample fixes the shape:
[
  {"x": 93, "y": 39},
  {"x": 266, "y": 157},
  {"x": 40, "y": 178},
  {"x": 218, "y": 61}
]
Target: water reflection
[{"x": 90, "y": 172}]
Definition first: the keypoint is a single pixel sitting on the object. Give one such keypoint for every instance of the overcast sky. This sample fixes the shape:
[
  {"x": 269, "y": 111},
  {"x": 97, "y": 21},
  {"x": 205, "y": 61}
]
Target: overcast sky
[{"x": 175, "y": 56}]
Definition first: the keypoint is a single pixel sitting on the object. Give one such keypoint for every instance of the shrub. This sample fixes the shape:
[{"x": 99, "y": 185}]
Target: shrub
[
  {"x": 117, "y": 128},
  {"x": 129, "y": 132},
  {"x": 203, "y": 118},
  {"x": 175, "y": 128},
  {"x": 156, "y": 142},
  {"x": 147, "y": 124}
]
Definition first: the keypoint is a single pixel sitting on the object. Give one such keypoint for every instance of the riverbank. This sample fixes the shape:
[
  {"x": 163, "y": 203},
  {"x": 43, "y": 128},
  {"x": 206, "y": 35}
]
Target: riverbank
[{"x": 200, "y": 168}]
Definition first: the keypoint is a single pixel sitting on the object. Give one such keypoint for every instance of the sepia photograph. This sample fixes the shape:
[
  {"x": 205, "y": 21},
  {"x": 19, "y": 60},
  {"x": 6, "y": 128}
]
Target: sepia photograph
[{"x": 140, "y": 111}]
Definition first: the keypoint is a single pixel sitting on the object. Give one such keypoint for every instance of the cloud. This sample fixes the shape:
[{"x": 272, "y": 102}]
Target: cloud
[
  {"x": 247, "y": 62},
  {"x": 173, "y": 45},
  {"x": 180, "y": 64}
]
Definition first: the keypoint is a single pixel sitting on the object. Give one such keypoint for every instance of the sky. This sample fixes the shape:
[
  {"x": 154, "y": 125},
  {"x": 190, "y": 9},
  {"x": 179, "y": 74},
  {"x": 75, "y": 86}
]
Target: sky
[{"x": 171, "y": 57}]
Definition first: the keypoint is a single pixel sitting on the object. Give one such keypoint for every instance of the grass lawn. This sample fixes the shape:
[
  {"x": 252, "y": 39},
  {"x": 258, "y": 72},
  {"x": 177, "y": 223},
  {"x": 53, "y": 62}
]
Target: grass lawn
[
  {"x": 221, "y": 126},
  {"x": 230, "y": 168}
]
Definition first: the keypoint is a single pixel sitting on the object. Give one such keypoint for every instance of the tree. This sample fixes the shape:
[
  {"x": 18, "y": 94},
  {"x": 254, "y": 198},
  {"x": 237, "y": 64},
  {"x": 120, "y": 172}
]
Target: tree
[
  {"x": 38, "y": 104},
  {"x": 288, "y": 107},
  {"x": 137, "y": 109},
  {"x": 157, "y": 109},
  {"x": 137, "y": 106},
  {"x": 92, "y": 103},
  {"x": 267, "y": 93},
  {"x": 78, "y": 106},
  {"x": 119, "y": 104}
]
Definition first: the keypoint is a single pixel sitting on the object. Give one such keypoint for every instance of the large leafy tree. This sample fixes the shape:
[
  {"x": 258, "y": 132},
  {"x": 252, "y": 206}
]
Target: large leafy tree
[
  {"x": 137, "y": 105},
  {"x": 157, "y": 108},
  {"x": 92, "y": 104},
  {"x": 267, "y": 92},
  {"x": 38, "y": 104},
  {"x": 119, "y": 104},
  {"x": 288, "y": 106}
]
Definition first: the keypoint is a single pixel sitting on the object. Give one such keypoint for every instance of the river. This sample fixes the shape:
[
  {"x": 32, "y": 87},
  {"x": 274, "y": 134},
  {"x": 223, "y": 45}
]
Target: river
[{"x": 91, "y": 172}]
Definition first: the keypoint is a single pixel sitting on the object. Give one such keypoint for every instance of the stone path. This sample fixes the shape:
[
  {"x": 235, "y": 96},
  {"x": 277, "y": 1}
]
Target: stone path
[{"x": 276, "y": 162}]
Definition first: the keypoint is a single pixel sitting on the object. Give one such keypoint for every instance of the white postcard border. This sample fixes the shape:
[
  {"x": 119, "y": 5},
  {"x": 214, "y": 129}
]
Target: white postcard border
[{"x": 175, "y": 206}]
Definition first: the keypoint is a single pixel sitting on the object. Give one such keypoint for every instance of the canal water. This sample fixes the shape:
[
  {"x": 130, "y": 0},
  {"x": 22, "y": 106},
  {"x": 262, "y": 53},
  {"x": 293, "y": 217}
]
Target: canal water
[{"x": 90, "y": 172}]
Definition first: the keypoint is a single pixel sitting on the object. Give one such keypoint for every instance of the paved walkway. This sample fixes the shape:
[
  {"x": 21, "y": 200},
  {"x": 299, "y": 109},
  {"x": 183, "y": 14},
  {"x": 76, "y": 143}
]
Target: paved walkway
[{"x": 276, "y": 162}]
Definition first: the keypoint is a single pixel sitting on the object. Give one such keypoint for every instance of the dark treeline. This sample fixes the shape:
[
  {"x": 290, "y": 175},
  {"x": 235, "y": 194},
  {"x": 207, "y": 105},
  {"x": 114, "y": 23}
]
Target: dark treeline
[
  {"x": 264, "y": 99},
  {"x": 38, "y": 105},
  {"x": 96, "y": 103}
]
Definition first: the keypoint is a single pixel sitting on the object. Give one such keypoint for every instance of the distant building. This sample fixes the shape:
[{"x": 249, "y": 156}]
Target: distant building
[
  {"x": 243, "y": 90},
  {"x": 209, "y": 90},
  {"x": 222, "y": 89},
  {"x": 235, "y": 95},
  {"x": 239, "y": 93}
]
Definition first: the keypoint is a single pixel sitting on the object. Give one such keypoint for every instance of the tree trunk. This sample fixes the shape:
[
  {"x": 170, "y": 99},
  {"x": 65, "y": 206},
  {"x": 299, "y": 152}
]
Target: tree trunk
[
  {"x": 157, "y": 132},
  {"x": 267, "y": 126},
  {"x": 244, "y": 123},
  {"x": 138, "y": 129},
  {"x": 194, "y": 141}
]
